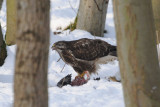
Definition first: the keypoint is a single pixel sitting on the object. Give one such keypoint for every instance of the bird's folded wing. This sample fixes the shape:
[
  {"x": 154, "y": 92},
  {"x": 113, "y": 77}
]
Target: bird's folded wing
[{"x": 87, "y": 49}]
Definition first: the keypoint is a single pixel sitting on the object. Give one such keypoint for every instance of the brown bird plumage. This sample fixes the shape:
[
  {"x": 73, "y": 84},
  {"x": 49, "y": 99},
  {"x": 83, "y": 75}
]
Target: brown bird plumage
[{"x": 85, "y": 54}]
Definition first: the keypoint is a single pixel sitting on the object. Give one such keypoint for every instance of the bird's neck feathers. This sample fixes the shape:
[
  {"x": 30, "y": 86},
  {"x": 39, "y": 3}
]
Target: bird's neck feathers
[{"x": 59, "y": 51}]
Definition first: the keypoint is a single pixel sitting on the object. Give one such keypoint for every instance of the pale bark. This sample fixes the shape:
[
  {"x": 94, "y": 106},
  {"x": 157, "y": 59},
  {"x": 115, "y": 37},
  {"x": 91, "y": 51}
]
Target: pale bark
[
  {"x": 11, "y": 22},
  {"x": 92, "y": 16},
  {"x": 30, "y": 81},
  {"x": 156, "y": 12},
  {"x": 136, "y": 40}
]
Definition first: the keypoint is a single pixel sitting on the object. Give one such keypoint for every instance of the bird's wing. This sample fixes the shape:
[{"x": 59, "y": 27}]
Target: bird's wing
[{"x": 88, "y": 49}]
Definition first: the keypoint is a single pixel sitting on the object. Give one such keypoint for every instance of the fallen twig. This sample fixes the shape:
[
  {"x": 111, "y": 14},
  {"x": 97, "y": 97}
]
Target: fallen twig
[
  {"x": 59, "y": 59},
  {"x": 72, "y": 7},
  {"x": 63, "y": 67}
]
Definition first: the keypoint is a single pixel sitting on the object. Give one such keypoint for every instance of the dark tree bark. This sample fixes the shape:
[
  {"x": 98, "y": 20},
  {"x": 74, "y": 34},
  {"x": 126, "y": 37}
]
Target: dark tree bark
[
  {"x": 30, "y": 81},
  {"x": 3, "y": 51},
  {"x": 1, "y": 1},
  {"x": 137, "y": 53},
  {"x": 1, "y": 35}
]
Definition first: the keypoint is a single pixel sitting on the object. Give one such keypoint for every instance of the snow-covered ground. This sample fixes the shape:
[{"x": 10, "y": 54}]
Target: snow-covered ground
[{"x": 100, "y": 93}]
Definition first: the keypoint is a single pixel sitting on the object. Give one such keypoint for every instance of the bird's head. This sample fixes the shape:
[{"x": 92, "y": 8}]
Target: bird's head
[{"x": 60, "y": 45}]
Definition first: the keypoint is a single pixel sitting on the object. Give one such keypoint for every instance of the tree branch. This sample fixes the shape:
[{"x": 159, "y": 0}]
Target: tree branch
[{"x": 97, "y": 6}]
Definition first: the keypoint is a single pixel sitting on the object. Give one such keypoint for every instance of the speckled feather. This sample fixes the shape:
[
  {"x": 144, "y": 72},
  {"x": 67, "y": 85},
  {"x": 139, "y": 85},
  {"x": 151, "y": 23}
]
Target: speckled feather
[{"x": 90, "y": 49}]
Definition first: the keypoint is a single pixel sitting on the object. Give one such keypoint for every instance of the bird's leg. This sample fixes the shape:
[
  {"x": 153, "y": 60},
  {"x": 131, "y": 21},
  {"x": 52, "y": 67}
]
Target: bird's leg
[{"x": 81, "y": 79}]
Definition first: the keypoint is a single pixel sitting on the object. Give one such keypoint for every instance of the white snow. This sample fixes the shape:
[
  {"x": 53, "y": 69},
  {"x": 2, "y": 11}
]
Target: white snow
[{"x": 100, "y": 93}]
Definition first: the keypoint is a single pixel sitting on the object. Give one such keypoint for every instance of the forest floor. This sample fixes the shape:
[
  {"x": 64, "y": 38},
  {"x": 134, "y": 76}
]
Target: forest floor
[{"x": 102, "y": 93}]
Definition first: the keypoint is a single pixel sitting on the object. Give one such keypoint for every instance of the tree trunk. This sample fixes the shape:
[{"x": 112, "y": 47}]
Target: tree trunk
[
  {"x": 92, "y": 16},
  {"x": 11, "y": 22},
  {"x": 136, "y": 40},
  {"x": 30, "y": 81},
  {"x": 3, "y": 51},
  {"x": 156, "y": 12},
  {"x": 1, "y": 1},
  {"x": 1, "y": 35}
]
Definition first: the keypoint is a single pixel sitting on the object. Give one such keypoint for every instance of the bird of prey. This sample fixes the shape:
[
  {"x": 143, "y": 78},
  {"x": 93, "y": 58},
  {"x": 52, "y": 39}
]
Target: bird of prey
[{"x": 85, "y": 55}]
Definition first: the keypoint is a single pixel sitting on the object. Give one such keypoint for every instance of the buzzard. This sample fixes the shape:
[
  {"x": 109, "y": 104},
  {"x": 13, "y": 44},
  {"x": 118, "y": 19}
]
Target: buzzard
[{"x": 85, "y": 55}]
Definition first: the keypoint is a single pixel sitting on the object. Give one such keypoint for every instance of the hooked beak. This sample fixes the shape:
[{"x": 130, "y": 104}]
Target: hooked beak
[{"x": 53, "y": 47}]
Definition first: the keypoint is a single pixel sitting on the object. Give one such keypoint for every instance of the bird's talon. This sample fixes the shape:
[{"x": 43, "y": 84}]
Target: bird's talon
[
  {"x": 81, "y": 79},
  {"x": 86, "y": 75}
]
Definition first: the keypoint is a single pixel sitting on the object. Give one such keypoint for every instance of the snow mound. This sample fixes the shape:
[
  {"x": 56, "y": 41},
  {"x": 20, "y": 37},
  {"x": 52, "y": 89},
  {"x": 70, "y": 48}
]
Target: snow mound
[{"x": 100, "y": 93}]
